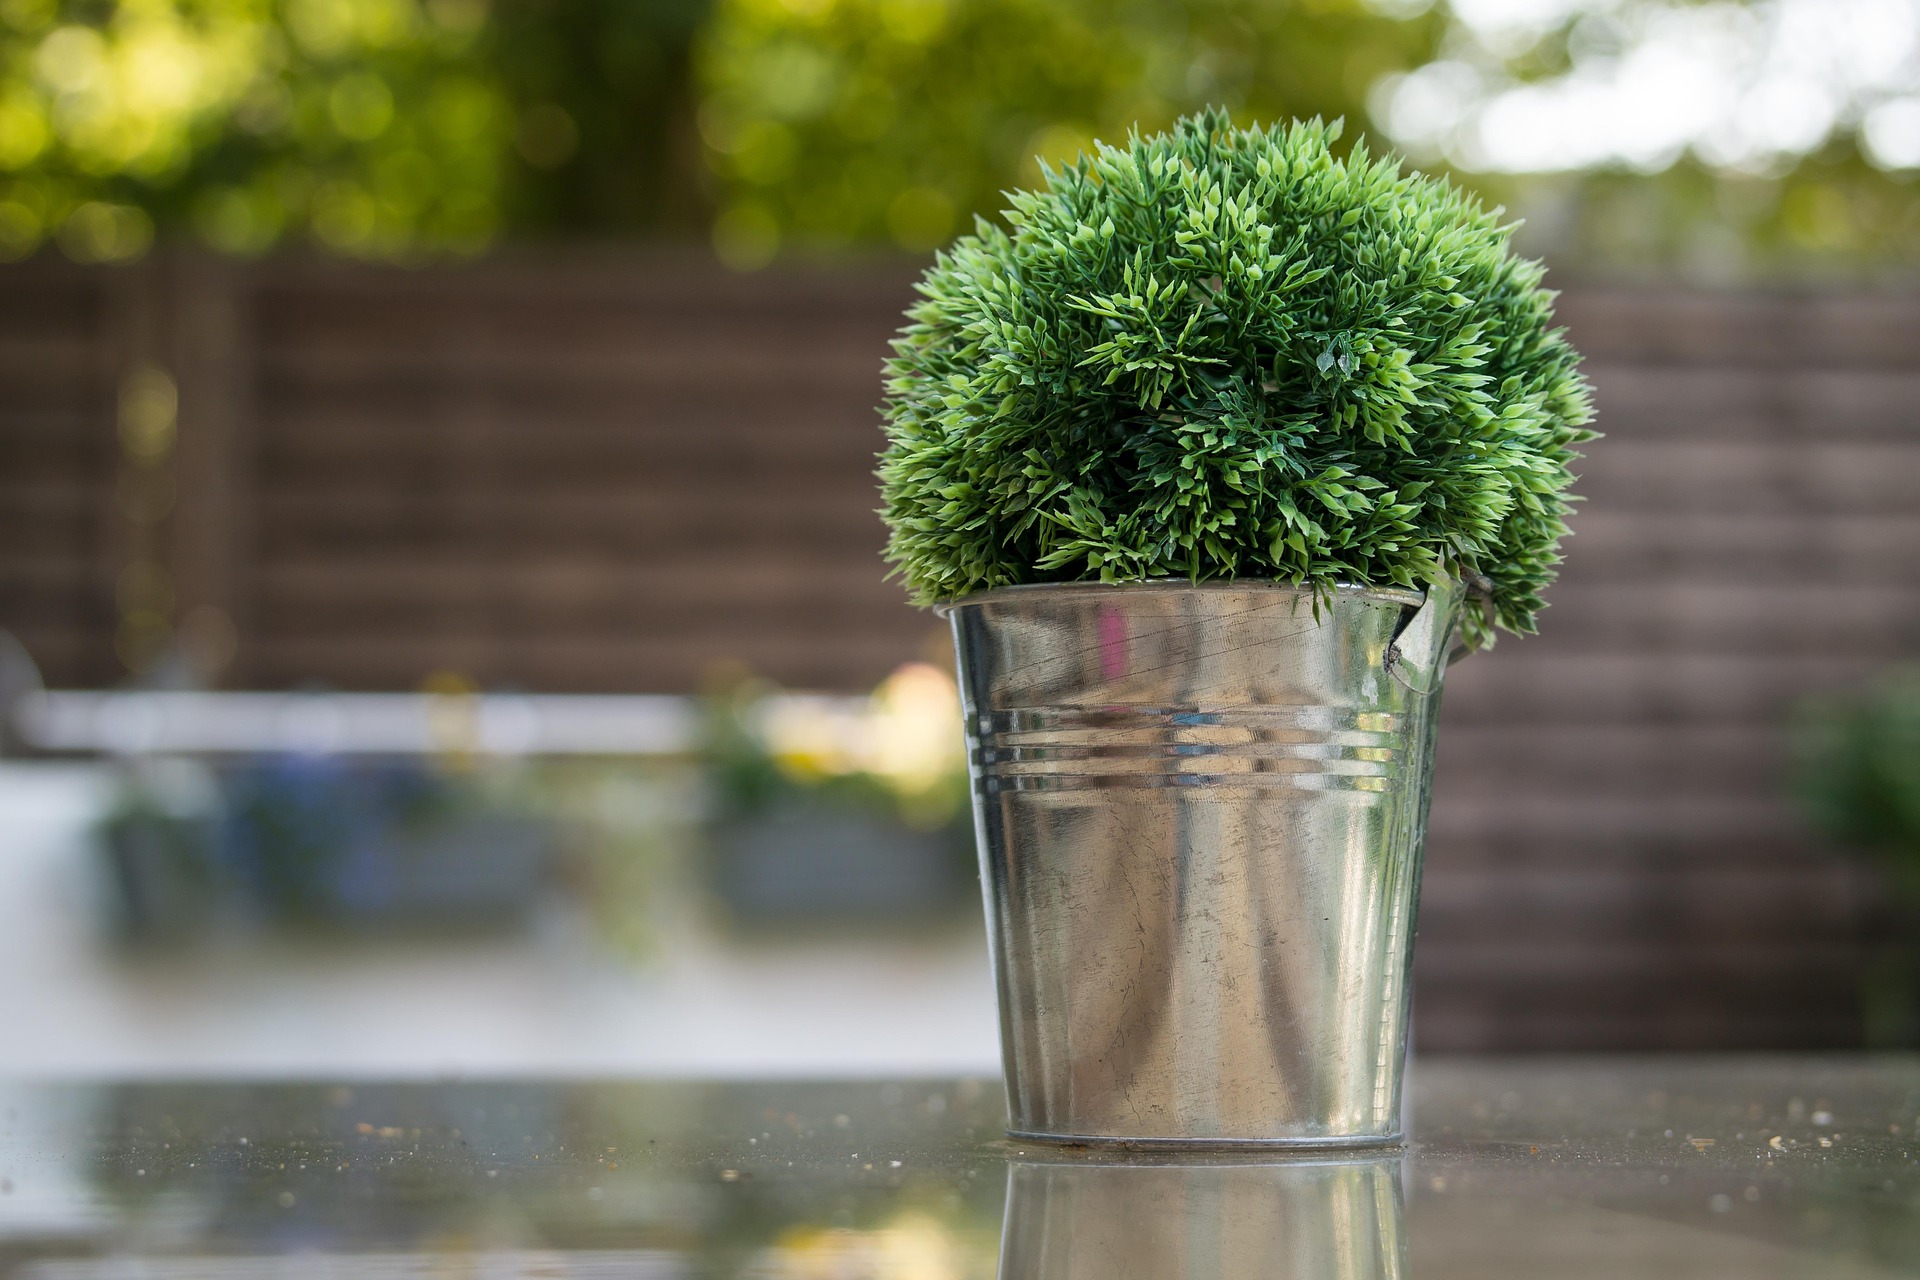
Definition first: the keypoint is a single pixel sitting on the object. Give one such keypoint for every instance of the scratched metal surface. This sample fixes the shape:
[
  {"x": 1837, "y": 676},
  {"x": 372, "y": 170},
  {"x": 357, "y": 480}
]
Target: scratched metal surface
[{"x": 1200, "y": 812}]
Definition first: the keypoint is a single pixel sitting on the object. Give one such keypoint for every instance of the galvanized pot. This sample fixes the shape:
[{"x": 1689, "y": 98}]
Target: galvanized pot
[
  {"x": 1304, "y": 1219},
  {"x": 1200, "y": 811}
]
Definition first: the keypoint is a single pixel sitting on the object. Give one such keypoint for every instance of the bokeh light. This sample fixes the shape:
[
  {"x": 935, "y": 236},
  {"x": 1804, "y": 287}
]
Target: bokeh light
[
  {"x": 358, "y": 120},
  {"x": 833, "y": 123}
]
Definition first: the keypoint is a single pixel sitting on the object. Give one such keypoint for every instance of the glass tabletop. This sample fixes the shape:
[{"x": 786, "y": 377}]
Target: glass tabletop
[{"x": 1702, "y": 1167}]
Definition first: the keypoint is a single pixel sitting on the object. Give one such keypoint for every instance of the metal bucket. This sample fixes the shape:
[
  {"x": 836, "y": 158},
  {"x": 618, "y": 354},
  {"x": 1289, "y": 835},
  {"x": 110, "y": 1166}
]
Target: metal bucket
[
  {"x": 1302, "y": 1220},
  {"x": 1200, "y": 812}
]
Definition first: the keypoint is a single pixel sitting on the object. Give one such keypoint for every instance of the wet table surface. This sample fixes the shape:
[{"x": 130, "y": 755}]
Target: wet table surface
[{"x": 1604, "y": 1167}]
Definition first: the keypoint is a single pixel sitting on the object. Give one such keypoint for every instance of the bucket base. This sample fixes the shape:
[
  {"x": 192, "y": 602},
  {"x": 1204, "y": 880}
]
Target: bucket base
[{"x": 1360, "y": 1143}]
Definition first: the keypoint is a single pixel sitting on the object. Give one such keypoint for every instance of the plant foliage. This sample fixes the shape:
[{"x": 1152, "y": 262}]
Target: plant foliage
[
  {"x": 1859, "y": 771},
  {"x": 1219, "y": 353}
]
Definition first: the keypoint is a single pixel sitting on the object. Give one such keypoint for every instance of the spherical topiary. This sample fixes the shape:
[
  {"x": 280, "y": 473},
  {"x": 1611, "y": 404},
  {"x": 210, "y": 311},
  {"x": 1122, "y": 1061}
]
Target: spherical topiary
[{"x": 1221, "y": 353}]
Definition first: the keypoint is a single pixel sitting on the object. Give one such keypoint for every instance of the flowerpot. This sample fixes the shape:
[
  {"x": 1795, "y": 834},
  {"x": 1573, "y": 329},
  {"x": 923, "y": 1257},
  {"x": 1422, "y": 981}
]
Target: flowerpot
[
  {"x": 167, "y": 887},
  {"x": 1200, "y": 811},
  {"x": 379, "y": 845},
  {"x": 798, "y": 863},
  {"x": 1305, "y": 1219}
]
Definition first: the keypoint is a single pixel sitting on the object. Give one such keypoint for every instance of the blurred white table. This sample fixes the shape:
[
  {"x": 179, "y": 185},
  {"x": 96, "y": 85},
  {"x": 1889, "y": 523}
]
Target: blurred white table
[
  {"x": 129, "y": 722},
  {"x": 545, "y": 1003}
]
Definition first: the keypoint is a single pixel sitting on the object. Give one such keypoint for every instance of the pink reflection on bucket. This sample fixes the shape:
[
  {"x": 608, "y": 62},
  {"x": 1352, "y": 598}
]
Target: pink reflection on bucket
[{"x": 1112, "y": 627}]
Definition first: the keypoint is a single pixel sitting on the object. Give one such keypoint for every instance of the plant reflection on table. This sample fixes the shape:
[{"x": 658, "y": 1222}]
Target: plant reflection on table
[
  {"x": 656, "y": 1179},
  {"x": 1775, "y": 1167},
  {"x": 1299, "y": 1219},
  {"x": 848, "y": 1181}
]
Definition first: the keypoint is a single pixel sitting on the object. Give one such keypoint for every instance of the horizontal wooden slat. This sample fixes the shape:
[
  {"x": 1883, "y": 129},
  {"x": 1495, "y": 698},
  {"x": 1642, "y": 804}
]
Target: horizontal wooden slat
[
  {"x": 69, "y": 646},
  {"x": 311, "y": 302},
  {"x": 1507, "y": 999},
  {"x": 760, "y": 445},
  {"x": 1726, "y": 617},
  {"x": 1651, "y": 1017},
  {"x": 1780, "y": 545},
  {"x": 1649, "y": 853},
  {"x": 1555, "y": 905},
  {"x": 49, "y": 541},
  {"x": 1634, "y": 760},
  {"x": 802, "y": 623},
  {"x": 647, "y": 360},
  {"x": 1743, "y": 330},
  {"x": 51, "y": 586},
  {"x": 542, "y": 519},
  {"x": 582, "y": 664},
  {"x": 1740, "y": 405},
  {"x": 1683, "y": 819},
  {"x": 1522, "y": 684},
  {"x": 51, "y": 303},
  {"x": 1859, "y": 478}
]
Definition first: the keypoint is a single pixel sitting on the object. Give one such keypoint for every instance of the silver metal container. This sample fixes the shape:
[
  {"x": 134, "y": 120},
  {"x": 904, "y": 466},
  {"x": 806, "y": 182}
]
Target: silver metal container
[
  {"x": 1200, "y": 812},
  {"x": 1305, "y": 1219}
]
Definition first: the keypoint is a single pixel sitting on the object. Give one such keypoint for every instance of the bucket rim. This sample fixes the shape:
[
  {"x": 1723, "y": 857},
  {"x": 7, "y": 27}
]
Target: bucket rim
[{"x": 1027, "y": 590}]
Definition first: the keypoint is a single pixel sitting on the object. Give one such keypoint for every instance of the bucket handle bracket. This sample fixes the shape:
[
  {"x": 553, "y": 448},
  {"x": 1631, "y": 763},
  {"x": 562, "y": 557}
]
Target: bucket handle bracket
[{"x": 1416, "y": 636}]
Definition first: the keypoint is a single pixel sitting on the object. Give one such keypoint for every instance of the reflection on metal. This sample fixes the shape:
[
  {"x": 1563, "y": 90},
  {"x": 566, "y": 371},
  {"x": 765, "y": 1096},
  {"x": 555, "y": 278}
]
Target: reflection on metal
[
  {"x": 1200, "y": 812},
  {"x": 1303, "y": 1220}
]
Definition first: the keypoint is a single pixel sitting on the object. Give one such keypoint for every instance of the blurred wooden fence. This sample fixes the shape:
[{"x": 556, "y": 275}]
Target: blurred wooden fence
[{"x": 610, "y": 474}]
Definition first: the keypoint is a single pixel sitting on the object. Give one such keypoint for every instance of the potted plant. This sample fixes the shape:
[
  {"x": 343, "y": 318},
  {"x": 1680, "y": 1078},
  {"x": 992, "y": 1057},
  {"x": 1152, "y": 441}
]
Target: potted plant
[
  {"x": 1202, "y": 453},
  {"x": 1858, "y": 779}
]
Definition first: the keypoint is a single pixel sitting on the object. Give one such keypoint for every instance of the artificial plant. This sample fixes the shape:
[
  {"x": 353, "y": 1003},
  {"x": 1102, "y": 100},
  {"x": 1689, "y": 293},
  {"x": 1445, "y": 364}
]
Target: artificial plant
[{"x": 1220, "y": 352}]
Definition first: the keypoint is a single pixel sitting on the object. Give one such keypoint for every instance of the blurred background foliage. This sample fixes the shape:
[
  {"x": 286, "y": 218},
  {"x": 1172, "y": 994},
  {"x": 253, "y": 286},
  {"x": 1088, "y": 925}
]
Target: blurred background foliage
[
  {"x": 1858, "y": 778},
  {"x": 371, "y": 125},
  {"x": 1723, "y": 138},
  {"x": 1859, "y": 773},
  {"x": 831, "y": 122},
  {"x": 378, "y": 128}
]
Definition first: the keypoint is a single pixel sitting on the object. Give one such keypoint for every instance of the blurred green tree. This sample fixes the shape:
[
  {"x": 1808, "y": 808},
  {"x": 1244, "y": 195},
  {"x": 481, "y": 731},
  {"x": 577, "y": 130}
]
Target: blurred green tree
[
  {"x": 389, "y": 128},
  {"x": 604, "y": 141},
  {"x": 381, "y": 128},
  {"x": 837, "y": 122},
  {"x": 361, "y": 121}
]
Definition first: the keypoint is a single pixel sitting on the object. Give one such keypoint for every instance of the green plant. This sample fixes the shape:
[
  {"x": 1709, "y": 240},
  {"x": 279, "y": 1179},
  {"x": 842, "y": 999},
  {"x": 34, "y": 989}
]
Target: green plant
[
  {"x": 1858, "y": 779},
  {"x": 1859, "y": 772},
  {"x": 1220, "y": 353}
]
